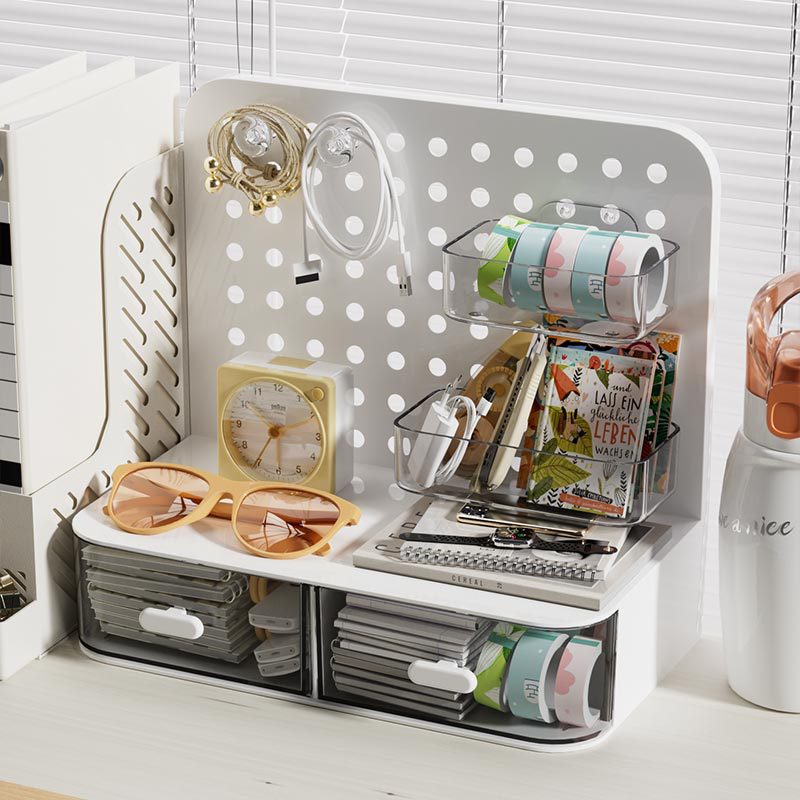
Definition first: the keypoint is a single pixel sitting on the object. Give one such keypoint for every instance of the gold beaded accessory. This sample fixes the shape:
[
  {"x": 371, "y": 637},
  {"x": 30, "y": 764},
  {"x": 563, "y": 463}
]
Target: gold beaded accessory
[{"x": 241, "y": 152}]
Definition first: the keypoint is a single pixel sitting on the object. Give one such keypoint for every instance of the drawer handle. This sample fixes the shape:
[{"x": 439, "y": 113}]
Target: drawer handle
[
  {"x": 171, "y": 622},
  {"x": 445, "y": 675}
]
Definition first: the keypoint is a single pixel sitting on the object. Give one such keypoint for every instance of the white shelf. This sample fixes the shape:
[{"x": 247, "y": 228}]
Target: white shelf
[{"x": 212, "y": 542}]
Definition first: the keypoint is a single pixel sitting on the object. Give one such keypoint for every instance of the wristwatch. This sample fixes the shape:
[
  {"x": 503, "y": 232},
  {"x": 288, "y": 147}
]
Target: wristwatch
[{"x": 513, "y": 538}]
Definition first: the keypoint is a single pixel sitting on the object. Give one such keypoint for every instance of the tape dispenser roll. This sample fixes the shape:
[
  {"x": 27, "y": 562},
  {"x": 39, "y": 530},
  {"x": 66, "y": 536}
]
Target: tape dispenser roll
[
  {"x": 523, "y": 285},
  {"x": 531, "y": 674},
  {"x": 492, "y": 664},
  {"x": 496, "y": 254},
  {"x": 573, "y": 678},
  {"x": 559, "y": 263},
  {"x": 633, "y": 278}
]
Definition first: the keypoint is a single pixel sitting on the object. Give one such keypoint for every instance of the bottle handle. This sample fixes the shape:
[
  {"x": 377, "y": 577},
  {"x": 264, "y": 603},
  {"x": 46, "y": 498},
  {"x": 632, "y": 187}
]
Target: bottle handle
[{"x": 762, "y": 349}]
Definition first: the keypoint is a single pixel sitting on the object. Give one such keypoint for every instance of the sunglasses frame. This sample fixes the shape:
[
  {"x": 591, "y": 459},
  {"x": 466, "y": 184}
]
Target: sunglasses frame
[{"x": 219, "y": 489}]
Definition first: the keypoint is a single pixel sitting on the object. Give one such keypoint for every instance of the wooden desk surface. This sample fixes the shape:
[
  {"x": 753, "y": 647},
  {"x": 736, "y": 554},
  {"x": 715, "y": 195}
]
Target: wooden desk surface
[{"x": 74, "y": 726}]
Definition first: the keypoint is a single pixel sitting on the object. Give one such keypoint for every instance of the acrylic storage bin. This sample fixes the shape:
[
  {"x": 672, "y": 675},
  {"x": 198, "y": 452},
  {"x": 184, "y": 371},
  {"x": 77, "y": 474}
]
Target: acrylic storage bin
[
  {"x": 611, "y": 285},
  {"x": 641, "y": 485},
  {"x": 193, "y": 618},
  {"x": 380, "y": 655}
]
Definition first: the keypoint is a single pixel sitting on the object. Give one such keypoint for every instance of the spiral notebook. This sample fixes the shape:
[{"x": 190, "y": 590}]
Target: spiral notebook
[{"x": 523, "y": 574}]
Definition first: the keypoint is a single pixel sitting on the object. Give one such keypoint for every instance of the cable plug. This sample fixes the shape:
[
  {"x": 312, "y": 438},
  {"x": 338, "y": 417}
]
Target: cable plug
[
  {"x": 485, "y": 403},
  {"x": 404, "y": 274},
  {"x": 307, "y": 271}
]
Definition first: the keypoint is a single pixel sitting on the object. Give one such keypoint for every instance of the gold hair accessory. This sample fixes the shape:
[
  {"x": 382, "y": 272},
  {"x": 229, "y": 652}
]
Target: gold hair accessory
[{"x": 241, "y": 153}]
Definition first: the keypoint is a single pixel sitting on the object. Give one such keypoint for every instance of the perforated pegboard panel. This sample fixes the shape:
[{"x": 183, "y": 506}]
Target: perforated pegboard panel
[{"x": 457, "y": 164}]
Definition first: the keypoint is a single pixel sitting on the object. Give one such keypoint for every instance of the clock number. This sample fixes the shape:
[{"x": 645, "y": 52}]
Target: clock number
[
  {"x": 313, "y": 456},
  {"x": 244, "y": 445},
  {"x": 277, "y": 470},
  {"x": 278, "y": 387},
  {"x": 318, "y": 436},
  {"x": 257, "y": 390},
  {"x": 238, "y": 423}
]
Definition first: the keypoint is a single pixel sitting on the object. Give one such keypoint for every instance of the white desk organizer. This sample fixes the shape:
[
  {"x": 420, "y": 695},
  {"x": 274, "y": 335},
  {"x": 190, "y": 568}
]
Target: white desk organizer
[
  {"x": 81, "y": 413},
  {"x": 241, "y": 296}
]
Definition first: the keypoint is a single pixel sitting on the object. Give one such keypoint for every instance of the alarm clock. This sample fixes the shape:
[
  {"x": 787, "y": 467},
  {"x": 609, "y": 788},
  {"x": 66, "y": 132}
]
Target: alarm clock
[{"x": 288, "y": 420}]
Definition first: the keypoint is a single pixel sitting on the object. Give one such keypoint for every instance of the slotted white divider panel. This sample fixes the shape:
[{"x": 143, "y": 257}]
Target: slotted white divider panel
[{"x": 241, "y": 291}]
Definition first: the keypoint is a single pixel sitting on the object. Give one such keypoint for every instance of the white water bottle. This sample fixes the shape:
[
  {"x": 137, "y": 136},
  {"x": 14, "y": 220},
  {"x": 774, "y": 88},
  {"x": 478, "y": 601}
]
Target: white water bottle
[{"x": 759, "y": 519}]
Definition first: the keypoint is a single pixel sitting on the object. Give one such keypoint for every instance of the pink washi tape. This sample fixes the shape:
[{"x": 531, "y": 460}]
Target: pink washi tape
[
  {"x": 574, "y": 675},
  {"x": 559, "y": 264}
]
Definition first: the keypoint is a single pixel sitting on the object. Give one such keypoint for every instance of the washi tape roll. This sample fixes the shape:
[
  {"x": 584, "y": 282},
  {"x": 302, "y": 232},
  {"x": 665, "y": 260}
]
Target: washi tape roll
[
  {"x": 492, "y": 663},
  {"x": 496, "y": 254},
  {"x": 632, "y": 255},
  {"x": 532, "y": 669},
  {"x": 589, "y": 274},
  {"x": 559, "y": 264},
  {"x": 572, "y": 682},
  {"x": 523, "y": 284}
]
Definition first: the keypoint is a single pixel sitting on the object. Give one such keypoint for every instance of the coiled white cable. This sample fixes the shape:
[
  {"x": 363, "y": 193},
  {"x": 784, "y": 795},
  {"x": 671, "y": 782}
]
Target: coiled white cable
[
  {"x": 448, "y": 468},
  {"x": 333, "y": 142}
]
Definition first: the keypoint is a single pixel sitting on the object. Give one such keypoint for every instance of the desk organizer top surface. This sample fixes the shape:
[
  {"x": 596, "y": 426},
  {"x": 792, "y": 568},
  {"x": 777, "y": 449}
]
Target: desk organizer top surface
[{"x": 241, "y": 292}]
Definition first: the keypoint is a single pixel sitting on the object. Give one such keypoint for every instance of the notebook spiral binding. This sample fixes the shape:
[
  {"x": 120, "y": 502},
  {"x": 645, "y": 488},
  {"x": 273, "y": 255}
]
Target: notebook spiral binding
[{"x": 497, "y": 562}]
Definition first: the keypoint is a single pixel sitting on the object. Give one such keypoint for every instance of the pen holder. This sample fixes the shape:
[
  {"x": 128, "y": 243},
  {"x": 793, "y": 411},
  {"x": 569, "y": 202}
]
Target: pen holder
[
  {"x": 554, "y": 485},
  {"x": 577, "y": 268}
]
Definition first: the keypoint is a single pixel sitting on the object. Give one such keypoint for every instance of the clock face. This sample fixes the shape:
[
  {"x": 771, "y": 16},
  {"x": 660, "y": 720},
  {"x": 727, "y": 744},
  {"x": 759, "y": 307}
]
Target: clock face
[{"x": 273, "y": 432}]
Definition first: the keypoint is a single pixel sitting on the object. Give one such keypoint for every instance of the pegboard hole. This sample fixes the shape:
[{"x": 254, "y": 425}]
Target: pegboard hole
[
  {"x": 480, "y": 240},
  {"x": 475, "y": 369},
  {"x": 235, "y": 294},
  {"x": 395, "y": 142},
  {"x": 233, "y": 208},
  {"x": 656, "y": 173},
  {"x": 390, "y": 444},
  {"x": 437, "y": 192},
  {"x": 234, "y": 251},
  {"x": 480, "y": 152},
  {"x": 480, "y": 197},
  {"x": 396, "y": 403},
  {"x": 275, "y": 342},
  {"x": 478, "y": 331},
  {"x": 353, "y": 181},
  {"x": 358, "y": 485},
  {"x": 391, "y": 274},
  {"x": 355, "y": 269},
  {"x": 567, "y": 162},
  {"x": 612, "y": 168},
  {"x": 355, "y": 312},
  {"x": 437, "y": 147},
  {"x": 399, "y": 186},
  {"x": 396, "y": 493},
  {"x": 523, "y": 157},
  {"x": 236, "y": 336},
  {"x": 316, "y": 176},
  {"x": 355, "y": 354},
  {"x": 436, "y": 280},
  {"x": 395, "y": 317},
  {"x": 274, "y": 300},
  {"x": 356, "y": 397},
  {"x": 396, "y": 360},
  {"x": 274, "y": 257},
  {"x": 315, "y": 306},
  {"x": 655, "y": 219},
  {"x": 273, "y": 215},
  {"x": 437, "y": 236},
  {"x": 523, "y": 203},
  {"x": 437, "y": 367},
  {"x": 315, "y": 348},
  {"x": 354, "y": 225},
  {"x": 358, "y": 439},
  {"x": 437, "y": 323}
]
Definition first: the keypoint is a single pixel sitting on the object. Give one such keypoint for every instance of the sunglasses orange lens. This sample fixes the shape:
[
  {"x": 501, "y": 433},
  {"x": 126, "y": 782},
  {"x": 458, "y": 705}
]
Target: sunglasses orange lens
[
  {"x": 285, "y": 520},
  {"x": 154, "y": 497}
]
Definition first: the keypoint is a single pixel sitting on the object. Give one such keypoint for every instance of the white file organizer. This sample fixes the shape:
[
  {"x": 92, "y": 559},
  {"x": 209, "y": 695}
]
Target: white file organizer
[
  {"x": 658, "y": 612},
  {"x": 75, "y": 421}
]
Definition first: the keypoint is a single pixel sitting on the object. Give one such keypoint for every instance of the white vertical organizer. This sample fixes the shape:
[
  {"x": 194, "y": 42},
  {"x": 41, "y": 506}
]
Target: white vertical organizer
[
  {"x": 241, "y": 295},
  {"x": 81, "y": 414}
]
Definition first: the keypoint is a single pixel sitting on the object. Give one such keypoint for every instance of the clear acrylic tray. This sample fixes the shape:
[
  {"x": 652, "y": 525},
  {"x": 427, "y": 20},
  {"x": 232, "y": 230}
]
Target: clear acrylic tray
[
  {"x": 534, "y": 482},
  {"x": 491, "y": 279}
]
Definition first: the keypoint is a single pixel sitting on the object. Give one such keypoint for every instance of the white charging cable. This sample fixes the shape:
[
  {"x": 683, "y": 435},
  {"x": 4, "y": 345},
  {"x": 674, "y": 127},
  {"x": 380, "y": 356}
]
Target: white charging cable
[
  {"x": 333, "y": 143},
  {"x": 426, "y": 462}
]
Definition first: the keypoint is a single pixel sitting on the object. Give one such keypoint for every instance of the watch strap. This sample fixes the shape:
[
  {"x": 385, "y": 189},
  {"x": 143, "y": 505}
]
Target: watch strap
[{"x": 435, "y": 538}]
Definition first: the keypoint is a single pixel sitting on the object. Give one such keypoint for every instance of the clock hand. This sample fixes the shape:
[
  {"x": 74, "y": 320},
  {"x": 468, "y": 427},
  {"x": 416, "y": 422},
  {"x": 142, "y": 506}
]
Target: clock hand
[
  {"x": 258, "y": 413},
  {"x": 296, "y": 424},
  {"x": 278, "y": 452},
  {"x": 257, "y": 462}
]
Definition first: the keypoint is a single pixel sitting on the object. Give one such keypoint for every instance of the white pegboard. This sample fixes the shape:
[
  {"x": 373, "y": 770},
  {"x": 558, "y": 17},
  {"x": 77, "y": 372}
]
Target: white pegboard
[{"x": 457, "y": 164}]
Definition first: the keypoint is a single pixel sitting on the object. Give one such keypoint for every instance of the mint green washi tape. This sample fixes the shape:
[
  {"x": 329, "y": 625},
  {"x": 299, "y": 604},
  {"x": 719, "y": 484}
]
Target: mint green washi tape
[
  {"x": 496, "y": 254},
  {"x": 588, "y": 285},
  {"x": 492, "y": 662},
  {"x": 524, "y": 274},
  {"x": 532, "y": 674}
]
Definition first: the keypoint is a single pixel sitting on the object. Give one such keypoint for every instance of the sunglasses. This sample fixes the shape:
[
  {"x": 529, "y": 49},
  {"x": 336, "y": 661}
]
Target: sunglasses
[{"x": 274, "y": 520}]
